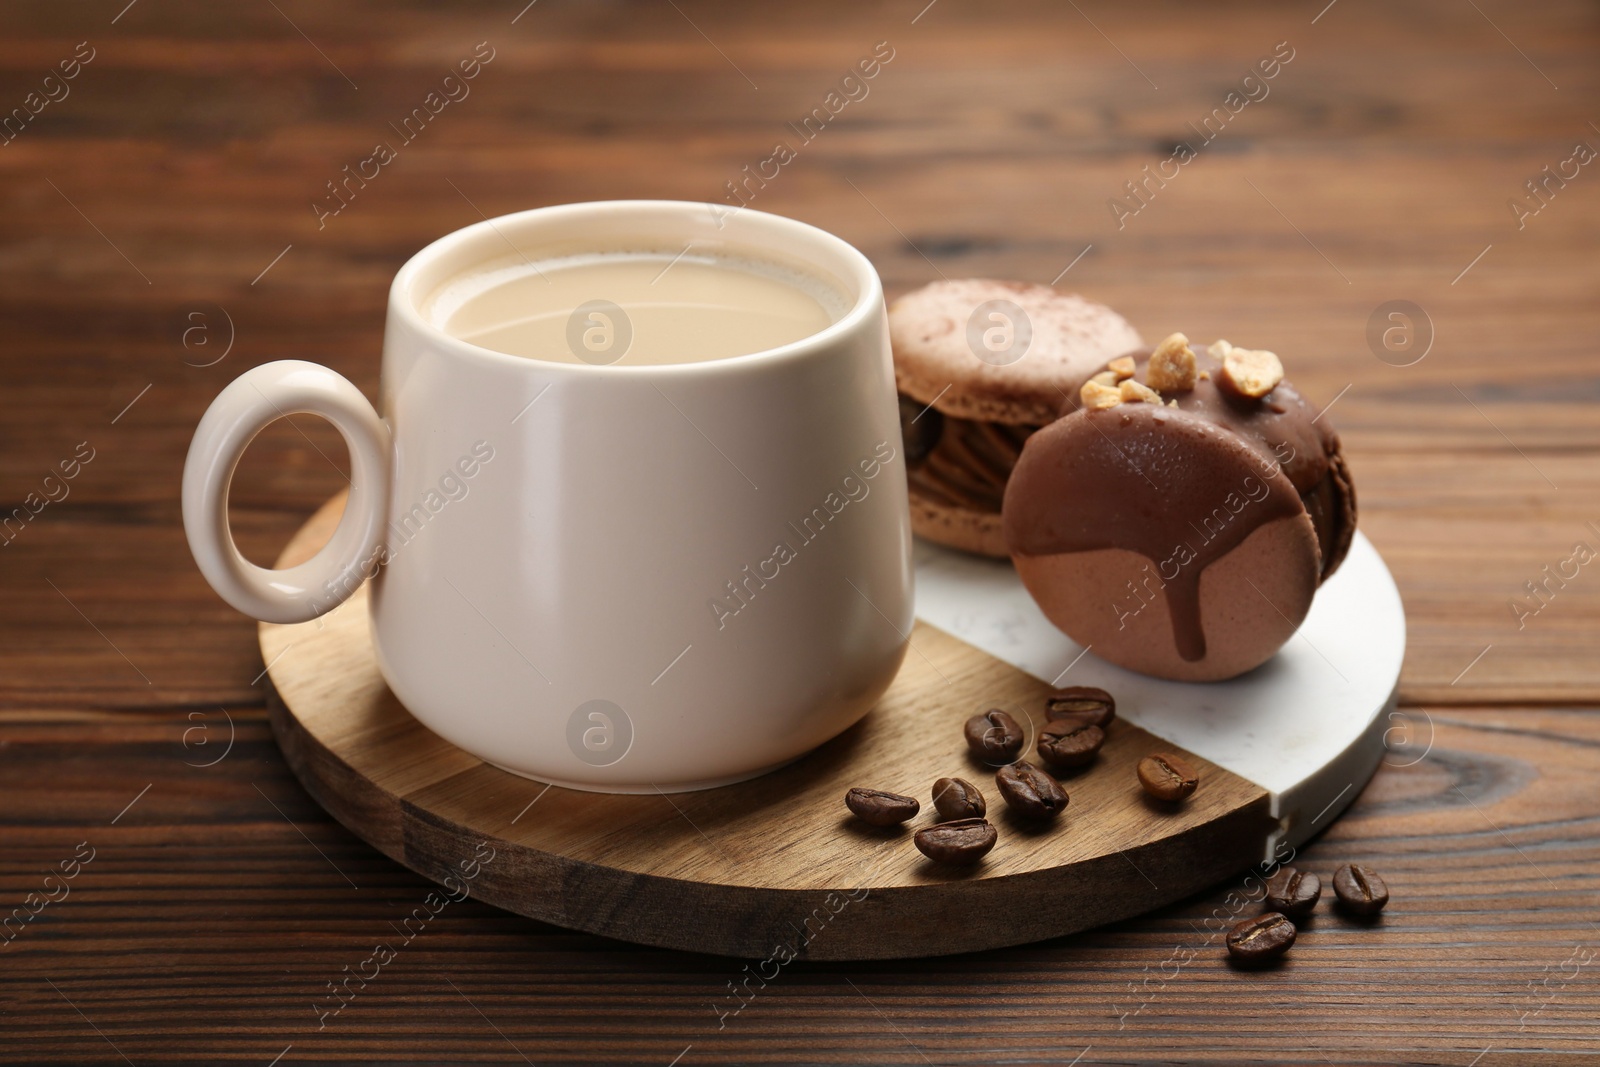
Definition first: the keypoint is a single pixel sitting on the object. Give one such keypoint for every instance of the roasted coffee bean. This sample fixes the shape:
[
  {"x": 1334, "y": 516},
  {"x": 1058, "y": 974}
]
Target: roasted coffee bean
[
  {"x": 1359, "y": 889},
  {"x": 1264, "y": 937},
  {"x": 921, "y": 426},
  {"x": 879, "y": 808},
  {"x": 957, "y": 798},
  {"x": 995, "y": 736},
  {"x": 1293, "y": 892},
  {"x": 960, "y": 841},
  {"x": 1069, "y": 743},
  {"x": 1167, "y": 777},
  {"x": 1031, "y": 792},
  {"x": 1081, "y": 701}
]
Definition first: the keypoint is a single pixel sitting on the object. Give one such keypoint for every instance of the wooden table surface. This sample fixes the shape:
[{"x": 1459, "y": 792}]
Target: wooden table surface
[{"x": 158, "y": 237}]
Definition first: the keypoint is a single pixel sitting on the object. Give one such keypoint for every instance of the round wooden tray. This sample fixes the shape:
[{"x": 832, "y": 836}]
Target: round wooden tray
[{"x": 774, "y": 867}]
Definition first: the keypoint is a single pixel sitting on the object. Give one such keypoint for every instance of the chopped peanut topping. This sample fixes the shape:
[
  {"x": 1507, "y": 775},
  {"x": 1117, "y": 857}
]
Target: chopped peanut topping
[
  {"x": 1132, "y": 392},
  {"x": 1122, "y": 367},
  {"x": 1252, "y": 372},
  {"x": 1097, "y": 397},
  {"x": 1172, "y": 366}
]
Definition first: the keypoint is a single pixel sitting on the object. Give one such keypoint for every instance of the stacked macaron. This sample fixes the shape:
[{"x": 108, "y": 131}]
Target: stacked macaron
[
  {"x": 980, "y": 365},
  {"x": 1179, "y": 515}
]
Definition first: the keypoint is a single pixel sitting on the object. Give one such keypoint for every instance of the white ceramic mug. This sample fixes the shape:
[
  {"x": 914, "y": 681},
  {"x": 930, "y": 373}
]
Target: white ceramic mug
[{"x": 620, "y": 578}]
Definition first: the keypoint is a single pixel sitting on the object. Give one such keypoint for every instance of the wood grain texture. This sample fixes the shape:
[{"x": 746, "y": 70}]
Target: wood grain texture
[
  {"x": 219, "y": 906},
  {"x": 775, "y": 864},
  {"x": 1382, "y": 162},
  {"x": 988, "y": 145}
]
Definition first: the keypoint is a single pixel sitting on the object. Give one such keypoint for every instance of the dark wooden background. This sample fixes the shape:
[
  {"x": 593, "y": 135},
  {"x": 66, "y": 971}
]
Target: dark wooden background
[{"x": 185, "y": 160}]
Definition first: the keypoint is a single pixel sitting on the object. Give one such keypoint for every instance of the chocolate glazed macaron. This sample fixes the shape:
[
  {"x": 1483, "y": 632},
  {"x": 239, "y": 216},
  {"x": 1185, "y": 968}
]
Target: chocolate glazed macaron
[
  {"x": 980, "y": 365},
  {"x": 1181, "y": 518}
]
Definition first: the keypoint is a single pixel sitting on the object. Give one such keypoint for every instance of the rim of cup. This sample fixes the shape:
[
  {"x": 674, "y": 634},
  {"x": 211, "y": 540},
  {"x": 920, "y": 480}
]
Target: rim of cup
[{"x": 840, "y": 263}]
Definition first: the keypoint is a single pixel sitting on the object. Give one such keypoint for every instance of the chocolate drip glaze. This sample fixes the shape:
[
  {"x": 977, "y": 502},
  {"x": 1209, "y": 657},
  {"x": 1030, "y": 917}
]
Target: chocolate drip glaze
[
  {"x": 1182, "y": 486},
  {"x": 960, "y": 463},
  {"x": 1170, "y": 484},
  {"x": 1284, "y": 429}
]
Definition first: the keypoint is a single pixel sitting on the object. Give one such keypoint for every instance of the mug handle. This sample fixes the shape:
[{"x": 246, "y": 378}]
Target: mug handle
[{"x": 254, "y": 400}]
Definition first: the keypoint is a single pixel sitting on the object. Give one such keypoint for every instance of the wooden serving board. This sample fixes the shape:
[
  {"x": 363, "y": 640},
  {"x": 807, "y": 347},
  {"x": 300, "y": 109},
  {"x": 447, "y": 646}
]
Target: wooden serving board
[{"x": 769, "y": 868}]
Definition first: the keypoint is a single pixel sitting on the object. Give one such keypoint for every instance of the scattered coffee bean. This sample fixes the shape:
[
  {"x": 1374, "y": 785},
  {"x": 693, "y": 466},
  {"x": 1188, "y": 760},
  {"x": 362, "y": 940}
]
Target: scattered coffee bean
[
  {"x": 995, "y": 736},
  {"x": 957, "y": 798},
  {"x": 879, "y": 808},
  {"x": 1167, "y": 777},
  {"x": 1031, "y": 792},
  {"x": 1359, "y": 889},
  {"x": 959, "y": 841},
  {"x": 1081, "y": 701},
  {"x": 1069, "y": 743},
  {"x": 1264, "y": 937},
  {"x": 1293, "y": 892}
]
